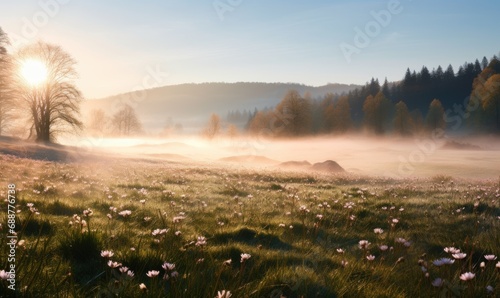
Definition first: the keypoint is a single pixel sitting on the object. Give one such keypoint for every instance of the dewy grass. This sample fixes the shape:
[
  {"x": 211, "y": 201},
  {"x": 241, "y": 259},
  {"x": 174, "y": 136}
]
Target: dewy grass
[{"x": 173, "y": 230}]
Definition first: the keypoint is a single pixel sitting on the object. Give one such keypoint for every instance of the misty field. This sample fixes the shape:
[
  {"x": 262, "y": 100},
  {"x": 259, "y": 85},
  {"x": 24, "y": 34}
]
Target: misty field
[{"x": 136, "y": 227}]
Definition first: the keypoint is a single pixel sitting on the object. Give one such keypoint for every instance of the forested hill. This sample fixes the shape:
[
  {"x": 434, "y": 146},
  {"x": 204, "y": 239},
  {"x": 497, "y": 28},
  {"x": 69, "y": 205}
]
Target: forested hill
[
  {"x": 418, "y": 88},
  {"x": 190, "y": 103}
]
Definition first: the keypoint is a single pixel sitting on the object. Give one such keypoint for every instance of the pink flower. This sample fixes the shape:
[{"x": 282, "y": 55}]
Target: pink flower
[
  {"x": 467, "y": 276},
  {"x": 153, "y": 273}
]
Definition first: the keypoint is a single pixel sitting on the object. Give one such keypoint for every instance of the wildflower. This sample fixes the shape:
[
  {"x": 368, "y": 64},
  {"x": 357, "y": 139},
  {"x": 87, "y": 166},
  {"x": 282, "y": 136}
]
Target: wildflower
[
  {"x": 21, "y": 243},
  {"x": 281, "y": 225},
  {"x": 168, "y": 266},
  {"x": 153, "y": 273},
  {"x": 467, "y": 276},
  {"x": 438, "y": 282},
  {"x": 88, "y": 212},
  {"x": 395, "y": 220},
  {"x": 378, "y": 231},
  {"x": 125, "y": 213},
  {"x": 490, "y": 257},
  {"x": 4, "y": 275},
  {"x": 107, "y": 253},
  {"x": 130, "y": 273},
  {"x": 178, "y": 233},
  {"x": 174, "y": 274},
  {"x": 227, "y": 262},
  {"x": 459, "y": 256},
  {"x": 344, "y": 263},
  {"x": 383, "y": 247},
  {"x": 452, "y": 250},
  {"x": 142, "y": 202},
  {"x": 245, "y": 257},
  {"x": 223, "y": 294},
  {"x": 370, "y": 257},
  {"x": 143, "y": 287},
  {"x": 202, "y": 241},
  {"x": 443, "y": 261},
  {"x": 112, "y": 264},
  {"x": 200, "y": 260},
  {"x": 319, "y": 216},
  {"x": 123, "y": 269},
  {"x": 363, "y": 244},
  {"x": 482, "y": 265},
  {"x": 498, "y": 265},
  {"x": 147, "y": 218},
  {"x": 109, "y": 216},
  {"x": 340, "y": 250},
  {"x": 489, "y": 289}
]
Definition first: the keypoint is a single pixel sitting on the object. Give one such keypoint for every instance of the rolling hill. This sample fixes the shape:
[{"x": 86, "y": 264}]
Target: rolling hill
[{"x": 192, "y": 104}]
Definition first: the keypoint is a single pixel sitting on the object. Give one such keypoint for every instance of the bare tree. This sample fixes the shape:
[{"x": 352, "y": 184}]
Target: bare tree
[
  {"x": 98, "y": 122},
  {"x": 54, "y": 104},
  {"x": 213, "y": 127},
  {"x": 125, "y": 122},
  {"x": 6, "y": 92}
]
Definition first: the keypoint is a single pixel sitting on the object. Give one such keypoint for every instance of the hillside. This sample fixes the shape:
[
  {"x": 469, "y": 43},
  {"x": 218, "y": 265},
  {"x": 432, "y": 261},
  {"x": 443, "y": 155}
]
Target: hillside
[{"x": 191, "y": 104}]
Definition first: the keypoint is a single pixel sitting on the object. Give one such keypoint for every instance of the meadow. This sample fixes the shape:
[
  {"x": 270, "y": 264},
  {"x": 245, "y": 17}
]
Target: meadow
[{"x": 136, "y": 227}]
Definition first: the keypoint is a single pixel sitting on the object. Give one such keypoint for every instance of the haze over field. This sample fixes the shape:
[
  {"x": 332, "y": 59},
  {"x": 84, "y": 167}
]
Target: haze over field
[{"x": 236, "y": 148}]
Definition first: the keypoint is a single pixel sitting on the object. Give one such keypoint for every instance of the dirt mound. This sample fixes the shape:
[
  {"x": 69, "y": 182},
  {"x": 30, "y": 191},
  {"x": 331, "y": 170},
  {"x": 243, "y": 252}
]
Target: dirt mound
[
  {"x": 295, "y": 164},
  {"x": 454, "y": 145},
  {"x": 249, "y": 159},
  {"x": 329, "y": 166}
]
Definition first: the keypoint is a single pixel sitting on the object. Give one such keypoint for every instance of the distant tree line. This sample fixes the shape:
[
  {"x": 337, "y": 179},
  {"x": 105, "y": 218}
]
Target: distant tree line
[{"x": 470, "y": 97}]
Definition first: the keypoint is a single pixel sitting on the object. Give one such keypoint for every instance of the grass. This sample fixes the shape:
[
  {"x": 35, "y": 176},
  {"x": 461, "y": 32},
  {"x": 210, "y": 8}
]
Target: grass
[{"x": 302, "y": 232}]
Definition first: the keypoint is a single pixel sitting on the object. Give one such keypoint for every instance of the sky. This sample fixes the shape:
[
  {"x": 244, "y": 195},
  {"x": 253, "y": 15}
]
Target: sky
[{"x": 121, "y": 46}]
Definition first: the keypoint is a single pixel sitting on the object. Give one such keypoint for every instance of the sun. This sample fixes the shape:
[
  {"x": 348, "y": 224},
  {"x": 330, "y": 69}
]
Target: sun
[{"x": 33, "y": 71}]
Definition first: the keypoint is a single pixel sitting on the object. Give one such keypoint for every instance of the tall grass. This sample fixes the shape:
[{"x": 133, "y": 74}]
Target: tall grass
[{"x": 255, "y": 234}]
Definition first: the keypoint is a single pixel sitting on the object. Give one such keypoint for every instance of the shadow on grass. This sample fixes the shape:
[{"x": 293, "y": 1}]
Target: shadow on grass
[{"x": 252, "y": 238}]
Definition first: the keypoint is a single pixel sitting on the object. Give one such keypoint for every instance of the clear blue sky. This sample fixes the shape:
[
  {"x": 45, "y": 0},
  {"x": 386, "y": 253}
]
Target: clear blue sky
[{"x": 116, "y": 42}]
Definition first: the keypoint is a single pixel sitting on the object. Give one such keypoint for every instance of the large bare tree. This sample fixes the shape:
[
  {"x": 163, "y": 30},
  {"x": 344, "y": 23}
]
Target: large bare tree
[{"x": 54, "y": 103}]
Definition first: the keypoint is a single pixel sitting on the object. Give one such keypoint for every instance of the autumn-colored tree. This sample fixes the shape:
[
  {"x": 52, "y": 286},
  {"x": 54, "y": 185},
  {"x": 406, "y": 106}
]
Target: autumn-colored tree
[
  {"x": 377, "y": 111},
  {"x": 435, "y": 116},
  {"x": 491, "y": 100},
  {"x": 232, "y": 131},
  {"x": 125, "y": 122},
  {"x": 403, "y": 122},
  {"x": 213, "y": 127},
  {"x": 337, "y": 116},
  {"x": 259, "y": 123},
  {"x": 294, "y": 115},
  {"x": 484, "y": 103}
]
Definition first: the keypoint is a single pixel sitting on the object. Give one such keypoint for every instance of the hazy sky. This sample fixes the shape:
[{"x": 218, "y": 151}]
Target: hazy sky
[{"x": 118, "y": 44}]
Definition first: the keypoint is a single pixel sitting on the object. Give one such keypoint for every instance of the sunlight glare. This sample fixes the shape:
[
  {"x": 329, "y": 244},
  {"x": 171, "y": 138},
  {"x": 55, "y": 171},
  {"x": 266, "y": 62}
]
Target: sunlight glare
[{"x": 33, "y": 71}]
